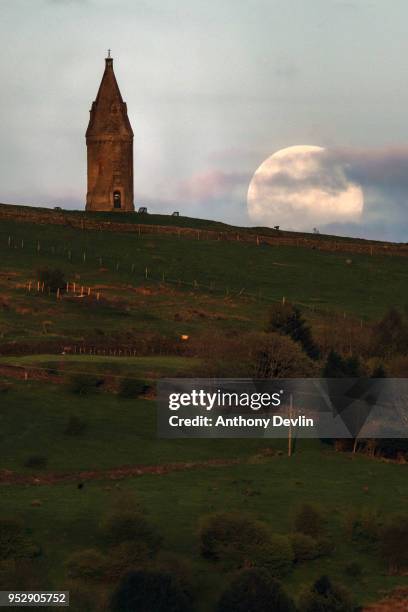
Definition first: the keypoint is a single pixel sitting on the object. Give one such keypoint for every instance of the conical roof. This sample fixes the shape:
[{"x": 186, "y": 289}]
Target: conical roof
[{"x": 109, "y": 113}]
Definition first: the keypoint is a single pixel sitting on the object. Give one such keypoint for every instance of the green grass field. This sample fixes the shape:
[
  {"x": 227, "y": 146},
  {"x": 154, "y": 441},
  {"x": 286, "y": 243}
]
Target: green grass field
[
  {"x": 122, "y": 432},
  {"x": 163, "y": 285}
]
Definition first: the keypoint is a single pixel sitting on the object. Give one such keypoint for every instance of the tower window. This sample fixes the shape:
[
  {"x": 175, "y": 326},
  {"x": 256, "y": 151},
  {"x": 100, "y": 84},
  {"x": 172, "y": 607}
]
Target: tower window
[{"x": 117, "y": 202}]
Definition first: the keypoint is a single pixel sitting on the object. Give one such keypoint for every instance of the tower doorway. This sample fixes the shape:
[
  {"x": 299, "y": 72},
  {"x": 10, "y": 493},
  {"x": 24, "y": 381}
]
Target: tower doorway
[{"x": 117, "y": 200}]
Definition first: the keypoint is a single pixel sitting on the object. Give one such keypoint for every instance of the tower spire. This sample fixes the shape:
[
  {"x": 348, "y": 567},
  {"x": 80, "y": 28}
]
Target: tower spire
[{"x": 109, "y": 140}]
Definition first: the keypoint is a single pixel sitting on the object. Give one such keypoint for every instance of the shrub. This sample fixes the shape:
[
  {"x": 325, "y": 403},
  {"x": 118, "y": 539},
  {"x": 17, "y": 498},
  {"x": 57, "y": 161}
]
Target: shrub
[
  {"x": 86, "y": 596},
  {"x": 148, "y": 590},
  {"x": 36, "y": 462},
  {"x": 338, "y": 367},
  {"x": 305, "y": 547},
  {"x": 364, "y": 528},
  {"x": 353, "y": 569},
  {"x": 179, "y": 567},
  {"x": 276, "y": 356},
  {"x": 221, "y": 529},
  {"x": 88, "y": 564},
  {"x": 324, "y": 596},
  {"x": 238, "y": 541},
  {"x": 253, "y": 590},
  {"x": 310, "y": 521},
  {"x": 75, "y": 426},
  {"x": 131, "y": 387},
  {"x": 394, "y": 544},
  {"x": 287, "y": 319},
  {"x": 131, "y": 526},
  {"x": 275, "y": 555},
  {"x": 14, "y": 543},
  {"x": 390, "y": 335},
  {"x": 257, "y": 355},
  {"x": 325, "y": 546},
  {"x": 53, "y": 279},
  {"x": 83, "y": 384},
  {"x": 22, "y": 574},
  {"x": 126, "y": 557},
  {"x": 5, "y": 387}
]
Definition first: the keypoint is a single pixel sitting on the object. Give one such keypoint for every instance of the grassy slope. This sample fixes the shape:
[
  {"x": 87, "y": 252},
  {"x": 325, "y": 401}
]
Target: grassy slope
[
  {"x": 267, "y": 487},
  {"x": 365, "y": 287},
  {"x": 169, "y": 220},
  {"x": 121, "y": 432}
]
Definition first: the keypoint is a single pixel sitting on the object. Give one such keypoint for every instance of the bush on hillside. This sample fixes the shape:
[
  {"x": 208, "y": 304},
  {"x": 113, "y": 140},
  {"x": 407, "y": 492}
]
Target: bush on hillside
[
  {"x": 221, "y": 529},
  {"x": 53, "y": 279},
  {"x": 238, "y": 541},
  {"x": 394, "y": 544},
  {"x": 325, "y": 596},
  {"x": 132, "y": 387},
  {"x": 253, "y": 590},
  {"x": 390, "y": 335},
  {"x": 84, "y": 384},
  {"x": 22, "y": 574},
  {"x": 275, "y": 356},
  {"x": 305, "y": 548},
  {"x": 147, "y": 590},
  {"x": 257, "y": 355},
  {"x": 364, "y": 527},
  {"x": 131, "y": 526},
  {"x": 337, "y": 366},
  {"x": 14, "y": 542},
  {"x": 86, "y": 596},
  {"x": 88, "y": 564},
  {"x": 353, "y": 569},
  {"x": 287, "y": 319},
  {"x": 309, "y": 520}
]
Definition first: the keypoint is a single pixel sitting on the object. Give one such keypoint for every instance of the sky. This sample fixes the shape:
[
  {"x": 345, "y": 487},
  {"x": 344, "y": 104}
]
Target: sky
[{"x": 213, "y": 88}]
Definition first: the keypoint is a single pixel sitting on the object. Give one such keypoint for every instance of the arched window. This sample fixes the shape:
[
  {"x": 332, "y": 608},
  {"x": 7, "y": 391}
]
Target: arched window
[{"x": 117, "y": 202}]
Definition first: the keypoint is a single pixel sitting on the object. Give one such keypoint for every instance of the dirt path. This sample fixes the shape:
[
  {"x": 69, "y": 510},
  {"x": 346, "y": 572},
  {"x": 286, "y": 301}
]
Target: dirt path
[
  {"x": 29, "y": 373},
  {"x": 395, "y": 602},
  {"x": 8, "y": 477}
]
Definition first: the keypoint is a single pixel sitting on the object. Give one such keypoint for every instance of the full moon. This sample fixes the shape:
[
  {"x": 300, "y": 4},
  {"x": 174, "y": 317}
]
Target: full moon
[{"x": 303, "y": 187}]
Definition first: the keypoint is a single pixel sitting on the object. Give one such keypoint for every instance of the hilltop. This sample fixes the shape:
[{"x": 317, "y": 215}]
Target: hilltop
[
  {"x": 203, "y": 229},
  {"x": 78, "y": 371}
]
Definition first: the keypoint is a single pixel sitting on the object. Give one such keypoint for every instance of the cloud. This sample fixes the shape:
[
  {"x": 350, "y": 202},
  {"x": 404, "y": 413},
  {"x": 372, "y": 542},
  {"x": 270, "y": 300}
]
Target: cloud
[
  {"x": 211, "y": 185},
  {"x": 383, "y": 175},
  {"x": 301, "y": 189},
  {"x": 286, "y": 68},
  {"x": 62, "y": 2}
]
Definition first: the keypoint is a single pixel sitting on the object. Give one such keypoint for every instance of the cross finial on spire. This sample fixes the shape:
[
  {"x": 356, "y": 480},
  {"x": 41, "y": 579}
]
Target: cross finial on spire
[{"x": 109, "y": 52}]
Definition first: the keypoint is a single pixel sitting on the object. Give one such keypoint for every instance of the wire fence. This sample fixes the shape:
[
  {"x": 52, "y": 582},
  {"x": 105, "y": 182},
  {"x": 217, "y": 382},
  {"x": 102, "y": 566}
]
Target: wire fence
[{"x": 274, "y": 238}]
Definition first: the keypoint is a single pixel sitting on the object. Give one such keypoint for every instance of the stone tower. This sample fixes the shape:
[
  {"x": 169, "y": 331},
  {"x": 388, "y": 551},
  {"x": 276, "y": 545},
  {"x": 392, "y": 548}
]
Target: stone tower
[{"x": 109, "y": 142}]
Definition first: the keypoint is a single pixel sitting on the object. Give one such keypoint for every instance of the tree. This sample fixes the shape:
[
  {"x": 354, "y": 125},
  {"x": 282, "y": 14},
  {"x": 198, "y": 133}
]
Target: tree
[
  {"x": 276, "y": 356},
  {"x": 394, "y": 544},
  {"x": 390, "y": 335},
  {"x": 131, "y": 526},
  {"x": 258, "y": 355},
  {"x": 15, "y": 542},
  {"x": 286, "y": 319},
  {"x": 238, "y": 541},
  {"x": 253, "y": 590},
  {"x": 53, "y": 279},
  {"x": 148, "y": 591},
  {"x": 325, "y": 596},
  {"x": 338, "y": 367},
  {"x": 310, "y": 520},
  {"x": 87, "y": 564}
]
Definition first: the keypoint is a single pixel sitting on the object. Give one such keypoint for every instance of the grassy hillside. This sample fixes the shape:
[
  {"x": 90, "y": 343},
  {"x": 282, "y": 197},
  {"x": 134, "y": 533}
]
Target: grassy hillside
[
  {"x": 263, "y": 482},
  {"x": 152, "y": 289}
]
